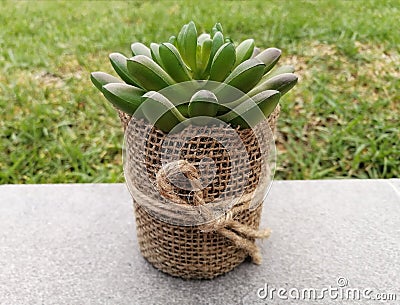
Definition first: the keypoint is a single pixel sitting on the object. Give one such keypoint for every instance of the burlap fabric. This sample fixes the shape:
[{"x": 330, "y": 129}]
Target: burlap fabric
[{"x": 196, "y": 252}]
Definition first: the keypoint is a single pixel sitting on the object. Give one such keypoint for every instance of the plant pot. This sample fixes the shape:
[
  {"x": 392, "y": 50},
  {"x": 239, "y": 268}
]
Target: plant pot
[{"x": 171, "y": 241}]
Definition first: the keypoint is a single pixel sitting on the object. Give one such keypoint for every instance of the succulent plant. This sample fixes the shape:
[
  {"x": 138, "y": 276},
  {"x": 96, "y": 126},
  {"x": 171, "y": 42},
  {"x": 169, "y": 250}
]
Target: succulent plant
[{"x": 219, "y": 79}]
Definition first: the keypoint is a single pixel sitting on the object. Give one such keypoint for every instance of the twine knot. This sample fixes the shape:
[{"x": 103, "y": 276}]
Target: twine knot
[{"x": 241, "y": 235}]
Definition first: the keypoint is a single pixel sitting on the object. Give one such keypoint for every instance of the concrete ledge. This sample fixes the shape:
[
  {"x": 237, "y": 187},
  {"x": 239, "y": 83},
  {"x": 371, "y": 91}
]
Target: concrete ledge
[{"x": 76, "y": 244}]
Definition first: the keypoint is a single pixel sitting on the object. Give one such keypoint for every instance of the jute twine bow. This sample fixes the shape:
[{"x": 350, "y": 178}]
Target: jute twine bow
[{"x": 241, "y": 235}]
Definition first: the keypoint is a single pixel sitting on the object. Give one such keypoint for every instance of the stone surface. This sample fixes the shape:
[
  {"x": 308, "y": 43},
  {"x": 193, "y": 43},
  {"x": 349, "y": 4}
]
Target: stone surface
[{"x": 76, "y": 244}]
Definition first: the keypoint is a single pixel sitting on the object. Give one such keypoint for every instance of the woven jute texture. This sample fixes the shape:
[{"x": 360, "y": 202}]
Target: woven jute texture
[{"x": 196, "y": 252}]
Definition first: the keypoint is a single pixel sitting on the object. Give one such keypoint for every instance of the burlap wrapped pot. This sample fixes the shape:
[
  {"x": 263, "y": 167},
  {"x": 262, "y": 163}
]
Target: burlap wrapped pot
[{"x": 204, "y": 251}]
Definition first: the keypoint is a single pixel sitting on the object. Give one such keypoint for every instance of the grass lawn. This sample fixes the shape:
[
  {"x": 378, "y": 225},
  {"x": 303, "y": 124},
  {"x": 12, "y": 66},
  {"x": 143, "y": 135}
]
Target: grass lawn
[{"x": 341, "y": 120}]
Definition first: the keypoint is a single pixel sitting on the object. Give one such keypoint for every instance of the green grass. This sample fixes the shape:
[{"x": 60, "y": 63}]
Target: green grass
[{"x": 340, "y": 121}]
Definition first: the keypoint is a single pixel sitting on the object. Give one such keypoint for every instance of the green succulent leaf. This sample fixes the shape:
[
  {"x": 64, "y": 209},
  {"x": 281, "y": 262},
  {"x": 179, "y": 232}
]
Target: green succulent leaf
[
  {"x": 180, "y": 40},
  {"x": 119, "y": 63},
  {"x": 155, "y": 53},
  {"x": 217, "y": 42},
  {"x": 190, "y": 45},
  {"x": 254, "y": 110},
  {"x": 281, "y": 82},
  {"x": 140, "y": 49},
  {"x": 183, "y": 109},
  {"x": 217, "y": 28},
  {"x": 148, "y": 74},
  {"x": 203, "y": 103},
  {"x": 124, "y": 97},
  {"x": 256, "y": 51},
  {"x": 228, "y": 39},
  {"x": 244, "y": 51},
  {"x": 203, "y": 58},
  {"x": 202, "y": 38},
  {"x": 223, "y": 62},
  {"x": 173, "y": 40},
  {"x": 173, "y": 63},
  {"x": 99, "y": 79},
  {"x": 160, "y": 112},
  {"x": 277, "y": 71},
  {"x": 269, "y": 57},
  {"x": 246, "y": 75}
]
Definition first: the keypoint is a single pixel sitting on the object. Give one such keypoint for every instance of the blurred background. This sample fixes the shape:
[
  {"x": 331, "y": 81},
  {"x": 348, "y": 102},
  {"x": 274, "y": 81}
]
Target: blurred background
[{"x": 340, "y": 121}]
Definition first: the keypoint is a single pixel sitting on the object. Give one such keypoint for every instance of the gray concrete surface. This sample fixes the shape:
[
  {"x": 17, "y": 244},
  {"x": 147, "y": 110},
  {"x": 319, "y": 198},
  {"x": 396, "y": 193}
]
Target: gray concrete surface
[{"x": 76, "y": 244}]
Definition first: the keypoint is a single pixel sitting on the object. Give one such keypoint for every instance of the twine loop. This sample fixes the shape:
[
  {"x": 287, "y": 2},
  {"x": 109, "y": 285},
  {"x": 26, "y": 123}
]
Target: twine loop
[{"x": 241, "y": 235}]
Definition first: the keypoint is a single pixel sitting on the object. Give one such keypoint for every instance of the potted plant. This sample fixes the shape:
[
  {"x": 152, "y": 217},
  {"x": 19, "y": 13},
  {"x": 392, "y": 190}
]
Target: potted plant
[{"x": 199, "y": 114}]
